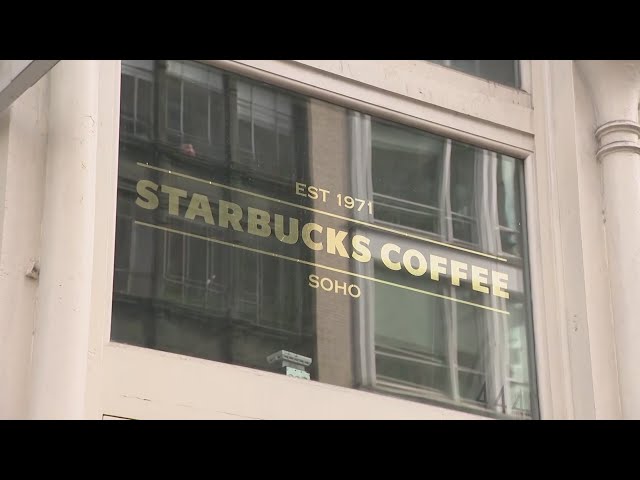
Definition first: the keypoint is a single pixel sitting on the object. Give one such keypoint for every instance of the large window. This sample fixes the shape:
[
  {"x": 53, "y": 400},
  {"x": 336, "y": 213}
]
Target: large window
[{"x": 262, "y": 228}]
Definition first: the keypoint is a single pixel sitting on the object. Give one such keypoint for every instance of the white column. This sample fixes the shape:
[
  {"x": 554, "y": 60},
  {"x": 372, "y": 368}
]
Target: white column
[
  {"x": 61, "y": 335},
  {"x": 615, "y": 89}
]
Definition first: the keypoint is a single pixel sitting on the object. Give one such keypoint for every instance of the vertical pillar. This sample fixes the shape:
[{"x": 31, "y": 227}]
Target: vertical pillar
[
  {"x": 61, "y": 334},
  {"x": 23, "y": 146},
  {"x": 615, "y": 89}
]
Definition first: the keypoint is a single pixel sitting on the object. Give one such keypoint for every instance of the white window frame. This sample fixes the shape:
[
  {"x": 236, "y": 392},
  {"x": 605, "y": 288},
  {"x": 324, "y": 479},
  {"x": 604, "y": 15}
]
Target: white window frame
[{"x": 132, "y": 382}]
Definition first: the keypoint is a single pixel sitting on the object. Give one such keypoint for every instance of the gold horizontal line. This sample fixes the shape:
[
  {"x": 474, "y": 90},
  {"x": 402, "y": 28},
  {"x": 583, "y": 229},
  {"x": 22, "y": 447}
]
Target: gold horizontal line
[
  {"x": 317, "y": 265},
  {"x": 291, "y": 204}
]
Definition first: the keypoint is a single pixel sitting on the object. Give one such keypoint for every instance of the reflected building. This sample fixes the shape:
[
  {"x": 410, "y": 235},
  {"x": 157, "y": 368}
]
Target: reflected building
[{"x": 183, "y": 294}]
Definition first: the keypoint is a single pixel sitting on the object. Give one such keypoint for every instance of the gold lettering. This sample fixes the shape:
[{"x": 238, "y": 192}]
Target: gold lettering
[
  {"x": 306, "y": 235},
  {"x": 386, "y": 249},
  {"x": 458, "y": 271},
  {"x": 361, "y": 252},
  {"x": 415, "y": 262},
  {"x": 357, "y": 289},
  {"x": 313, "y": 281},
  {"x": 199, "y": 207},
  {"x": 334, "y": 242},
  {"x": 225, "y": 215},
  {"x": 293, "y": 230},
  {"x": 144, "y": 188},
  {"x": 499, "y": 284},
  {"x": 324, "y": 194},
  {"x": 422, "y": 262},
  {"x": 175, "y": 194},
  {"x": 437, "y": 265},
  {"x": 258, "y": 221},
  {"x": 339, "y": 287},
  {"x": 479, "y": 274}
]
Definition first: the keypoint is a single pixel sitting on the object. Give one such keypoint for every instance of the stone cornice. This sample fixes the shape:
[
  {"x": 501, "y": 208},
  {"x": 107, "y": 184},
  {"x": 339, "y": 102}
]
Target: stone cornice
[
  {"x": 618, "y": 126},
  {"x": 619, "y": 146}
]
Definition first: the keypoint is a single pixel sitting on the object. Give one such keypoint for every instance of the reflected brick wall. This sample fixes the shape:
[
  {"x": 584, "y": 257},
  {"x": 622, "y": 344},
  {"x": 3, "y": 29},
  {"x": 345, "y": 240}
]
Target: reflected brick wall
[{"x": 329, "y": 151}]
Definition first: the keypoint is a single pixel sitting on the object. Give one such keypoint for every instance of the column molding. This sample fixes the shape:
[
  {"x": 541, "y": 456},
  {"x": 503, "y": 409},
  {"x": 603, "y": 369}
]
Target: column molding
[{"x": 612, "y": 137}]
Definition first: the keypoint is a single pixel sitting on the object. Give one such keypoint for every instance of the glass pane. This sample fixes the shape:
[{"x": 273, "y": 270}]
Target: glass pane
[
  {"x": 463, "y": 192},
  {"x": 196, "y": 113},
  {"x": 144, "y": 112},
  {"x": 174, "y": 104},
  {"x": 408, "y": 322},
  {"x": 471, "y": 386},
  {"x": 509, "y": 204},
  {"x": 472, "y": 332},
  {"x": 467, "y": 66},
  {"x": 263, "y": 228},
  {"x": 175, "y": 255},
  {"x": 500, "y": 71},
  {"x": 127, "y": 104},
  {"x": 406, "y": 373},
  {"x": 406, "y": 166},
  {"x": 123, "y": 251},
  {"x": 410, "y": 333},
  {"x": 517, "y": 342},
  {"x": 197, "y": 262}
]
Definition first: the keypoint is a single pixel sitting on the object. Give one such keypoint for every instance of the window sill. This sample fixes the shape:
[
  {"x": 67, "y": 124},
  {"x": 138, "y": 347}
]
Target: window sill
[{"x": 148, "y": 384}]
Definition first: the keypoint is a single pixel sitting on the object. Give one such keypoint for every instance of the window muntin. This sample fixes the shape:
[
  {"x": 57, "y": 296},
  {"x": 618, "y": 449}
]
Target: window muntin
[
  {"x": 506, "y": 72},
  {"x": 176, "y": 291}
]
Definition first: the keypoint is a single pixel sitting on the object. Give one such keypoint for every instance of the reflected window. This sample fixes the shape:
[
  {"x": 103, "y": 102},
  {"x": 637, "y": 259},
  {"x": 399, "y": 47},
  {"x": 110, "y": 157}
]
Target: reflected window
[
  {"x": 407, "y": 171},
  {"x": 263, "y": 228},
  {"x": 136, "y": 91},
  {"x": 265, "y": 129}
]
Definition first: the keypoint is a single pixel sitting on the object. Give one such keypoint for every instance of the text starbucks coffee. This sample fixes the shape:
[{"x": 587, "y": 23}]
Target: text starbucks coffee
[{"x": 196, "y": 206}]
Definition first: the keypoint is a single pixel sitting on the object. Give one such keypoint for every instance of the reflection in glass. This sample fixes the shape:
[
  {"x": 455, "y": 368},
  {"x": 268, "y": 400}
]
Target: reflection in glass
[
  {"x": 505, "y": 72},
  {"x": 410, "y": 332},
  {"x": 192, "y": 281},
  {"x": 406, "y": 166},
  {"x": 509, "y": 206},
  {"x": 463, "y": 194}
]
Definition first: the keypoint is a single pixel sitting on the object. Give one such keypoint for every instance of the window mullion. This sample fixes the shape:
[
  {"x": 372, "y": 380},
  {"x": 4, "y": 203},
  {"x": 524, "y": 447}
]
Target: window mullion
[
  {"x": 451, "y": 313},
  {"x": 135, "y": 104},
  {"x": 182, "y": 111},
  {"x": 446, "y": 222}
]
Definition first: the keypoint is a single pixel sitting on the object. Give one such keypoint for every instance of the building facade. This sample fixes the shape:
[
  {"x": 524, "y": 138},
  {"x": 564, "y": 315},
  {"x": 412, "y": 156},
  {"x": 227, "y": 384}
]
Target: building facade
[{"x": 444, "y": 239}]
